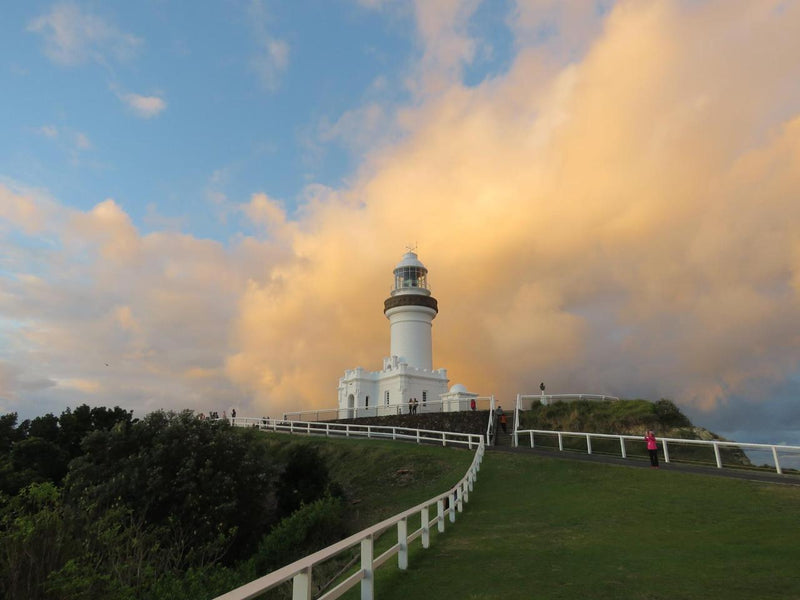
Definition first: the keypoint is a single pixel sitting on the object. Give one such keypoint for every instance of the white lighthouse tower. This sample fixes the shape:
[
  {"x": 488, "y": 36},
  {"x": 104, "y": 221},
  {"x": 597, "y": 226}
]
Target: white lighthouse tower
[
  {"x": 408, "y": 377},
  {"x": 411, "y": 309}
]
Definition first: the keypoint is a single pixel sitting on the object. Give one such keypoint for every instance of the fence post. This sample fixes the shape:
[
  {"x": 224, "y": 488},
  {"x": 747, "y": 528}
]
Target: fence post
[
  {"x": 666, "y": 451},
  {"x": 440, "y": 515},
  {"x": 532, "y": 439},
  {"x": 301, "y": 585},
  {"x": 418, "y": 436},
  {"x": 367, "y": 557},
  {"x": 444, "y": 439},
  {"x": 402, "y": 541},
  {"x": 452, "y": 507},
  {"x": 426, "y": 527},
  {"x": 560, "y": 442},
  {"x": 622, "y": 447},
  {"x": 716, "y": 455},
  {"x": 588, "y": 444},
  {"x": 777, "y": 464}
]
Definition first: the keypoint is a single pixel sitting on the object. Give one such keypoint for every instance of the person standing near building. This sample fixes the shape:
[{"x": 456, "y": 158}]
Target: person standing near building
[{"x": 652, "y": 448}]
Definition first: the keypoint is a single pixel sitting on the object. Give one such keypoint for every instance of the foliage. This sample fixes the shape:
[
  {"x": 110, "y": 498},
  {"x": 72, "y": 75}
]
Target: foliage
[
  {"x": 34, "y": 540},
  {"x": 173, "y": 507},
  {"x": 206, "y": 484},
  {"x": 39, "y": 450},
  {"x": 608, "y": 416},
  {"x": 310, "y": 528}
]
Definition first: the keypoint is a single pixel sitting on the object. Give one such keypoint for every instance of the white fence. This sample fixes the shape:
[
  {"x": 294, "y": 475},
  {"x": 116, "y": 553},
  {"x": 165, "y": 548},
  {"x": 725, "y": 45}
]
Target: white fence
[
  {"x": 664, "y": 444},
  {"x": 445, "y": 438},
  {"x": 384, "y": 410},
  {"x": 524, "y": 401},
  {"x": 447, "y": 504}
]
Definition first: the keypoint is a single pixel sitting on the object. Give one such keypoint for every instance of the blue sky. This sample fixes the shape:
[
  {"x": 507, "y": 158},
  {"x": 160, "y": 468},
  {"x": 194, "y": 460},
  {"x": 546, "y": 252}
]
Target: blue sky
[
  {"x": 243, "y": 94},
  {"x": 210, "y": 197}
]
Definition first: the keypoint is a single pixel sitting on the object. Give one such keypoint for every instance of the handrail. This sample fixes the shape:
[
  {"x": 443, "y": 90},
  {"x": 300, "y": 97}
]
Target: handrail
[
  {"x": 301, "y": 571},
  {"x": 665, "y": 441},
  {"x": 489, "y": 426},
  {"x": 469, "y": 440},
  {"x": 549, "y": 398},
  {"x": 383, "y": 410}
]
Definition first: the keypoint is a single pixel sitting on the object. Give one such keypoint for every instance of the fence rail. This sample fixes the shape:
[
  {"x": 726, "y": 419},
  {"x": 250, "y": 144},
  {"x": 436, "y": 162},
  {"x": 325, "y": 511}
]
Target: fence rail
[
  {"x": 445, "y": 438},
  {"x": 384, "y": 410},
  {"x": 446, "y": 504},
  {"x": 716, "y": 445}
]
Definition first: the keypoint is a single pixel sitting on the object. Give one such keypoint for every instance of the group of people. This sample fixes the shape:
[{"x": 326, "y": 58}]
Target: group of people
[
  {"x": 413, "y": 405},
  {"x": 214, "y": 415}
]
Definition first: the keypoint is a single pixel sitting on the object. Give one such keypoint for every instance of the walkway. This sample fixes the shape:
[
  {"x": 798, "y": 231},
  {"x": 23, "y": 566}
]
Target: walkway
[{"x": 733, "y": 473}]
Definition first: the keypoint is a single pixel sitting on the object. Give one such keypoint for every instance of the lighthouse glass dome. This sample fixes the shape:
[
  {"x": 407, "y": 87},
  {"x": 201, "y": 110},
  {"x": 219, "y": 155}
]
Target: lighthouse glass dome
[
  {"x": 410, "y": 274},
  {"x": 410, "y": 277}
]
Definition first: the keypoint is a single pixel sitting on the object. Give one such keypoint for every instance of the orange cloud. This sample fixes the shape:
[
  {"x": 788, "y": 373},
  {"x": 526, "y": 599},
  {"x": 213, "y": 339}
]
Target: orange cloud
[{"x": 623, "y": 223}]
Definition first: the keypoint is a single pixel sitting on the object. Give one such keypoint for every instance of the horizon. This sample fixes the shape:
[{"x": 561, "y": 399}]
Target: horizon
[{"x": 204, "y": 211}]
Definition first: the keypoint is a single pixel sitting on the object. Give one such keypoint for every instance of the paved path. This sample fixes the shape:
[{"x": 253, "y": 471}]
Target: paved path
[{"x": 762, "y": 476}]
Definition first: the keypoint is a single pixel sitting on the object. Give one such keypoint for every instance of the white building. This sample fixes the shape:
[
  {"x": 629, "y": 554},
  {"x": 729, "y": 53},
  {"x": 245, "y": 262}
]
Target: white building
[{"x": 408, "y": 372}]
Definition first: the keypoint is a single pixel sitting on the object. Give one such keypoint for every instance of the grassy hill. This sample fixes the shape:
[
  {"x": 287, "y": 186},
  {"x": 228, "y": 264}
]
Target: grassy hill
[
  {"x": 554, "y": 529},
  {"x": 632, "y": 417}
]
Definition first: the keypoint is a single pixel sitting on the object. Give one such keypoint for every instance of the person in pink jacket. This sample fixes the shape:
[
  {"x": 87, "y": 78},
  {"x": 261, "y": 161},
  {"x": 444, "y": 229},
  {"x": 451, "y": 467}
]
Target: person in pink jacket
[{"x": 652, "y": 448}]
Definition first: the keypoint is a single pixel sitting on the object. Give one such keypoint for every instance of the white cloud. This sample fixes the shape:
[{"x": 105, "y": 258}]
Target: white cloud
[
  {"x": 270, "y": 62},
  {"x": 50, "y": 131},
  {"x": 82, "y": 141},
  {"x": 272, "y": 57},
  {"x": 72, "y": 37},
  {"x": 145, "y": 107}
]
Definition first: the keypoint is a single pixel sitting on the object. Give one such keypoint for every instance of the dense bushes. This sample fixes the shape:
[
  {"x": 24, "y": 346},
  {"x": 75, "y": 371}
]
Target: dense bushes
[
  {"x": 619, "y": 416},
  {"x": 169, "y": 506}
]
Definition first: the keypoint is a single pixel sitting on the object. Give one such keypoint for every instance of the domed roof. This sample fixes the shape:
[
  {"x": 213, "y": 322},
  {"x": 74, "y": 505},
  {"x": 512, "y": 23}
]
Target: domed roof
[
  {"x": 458, "y": 388},
  {"x": 410, "y": 260}
]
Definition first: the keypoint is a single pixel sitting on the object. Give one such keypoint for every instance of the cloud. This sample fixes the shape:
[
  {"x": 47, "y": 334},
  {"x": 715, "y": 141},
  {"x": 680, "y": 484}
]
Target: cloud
[
  {"x": 623, "y": 222},
  {"x": 50, "y": 131},
  {"x": 620, "y": 224},
  {"x": 145, "y": 107},
  {"x": 447, "y": 46},
  {"x": 270, "y": 62},
  {"x": 82, "y": 141},
  {"x": 272, "y": 56},
  {"x": 72, "y": 37}
]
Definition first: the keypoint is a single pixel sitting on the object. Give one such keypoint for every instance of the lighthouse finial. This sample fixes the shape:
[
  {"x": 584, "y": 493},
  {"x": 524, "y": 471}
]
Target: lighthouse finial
[{"x": 412, "y": 248}]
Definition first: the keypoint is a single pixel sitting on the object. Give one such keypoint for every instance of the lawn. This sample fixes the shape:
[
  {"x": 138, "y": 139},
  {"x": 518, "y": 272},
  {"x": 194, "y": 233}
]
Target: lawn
[{"x": 550, "y": 529}]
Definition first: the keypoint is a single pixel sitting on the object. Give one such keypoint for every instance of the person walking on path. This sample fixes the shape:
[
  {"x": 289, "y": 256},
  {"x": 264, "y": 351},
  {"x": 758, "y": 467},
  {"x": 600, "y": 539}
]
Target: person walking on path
[
  {"x": 652, "y": 448},
  {"x": 501, "y": 417}
]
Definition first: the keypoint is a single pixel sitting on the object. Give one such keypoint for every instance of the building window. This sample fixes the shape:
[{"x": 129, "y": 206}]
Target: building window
[
  {"x": 366, "y": 402},
  {"x": 424, "y": 396},
  {"x": 387, "y": 396}
]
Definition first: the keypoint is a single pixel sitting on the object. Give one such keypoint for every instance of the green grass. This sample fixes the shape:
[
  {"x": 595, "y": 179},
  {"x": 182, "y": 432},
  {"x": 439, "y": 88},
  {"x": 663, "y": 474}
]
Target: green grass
[
  {"x": 549, "y": 529},
  {"x": 382, "y": 478}
]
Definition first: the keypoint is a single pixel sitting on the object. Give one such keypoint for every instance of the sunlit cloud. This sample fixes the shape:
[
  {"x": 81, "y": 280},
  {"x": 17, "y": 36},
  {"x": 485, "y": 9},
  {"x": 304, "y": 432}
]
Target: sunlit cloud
[{"x": 622, "y": 222}]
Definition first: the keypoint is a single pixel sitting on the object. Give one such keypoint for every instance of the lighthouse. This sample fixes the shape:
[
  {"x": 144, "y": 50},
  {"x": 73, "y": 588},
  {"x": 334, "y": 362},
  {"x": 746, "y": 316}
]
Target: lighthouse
[
  {"x": 407, "y": 377},
  {"x": 411, "y": 309}
]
